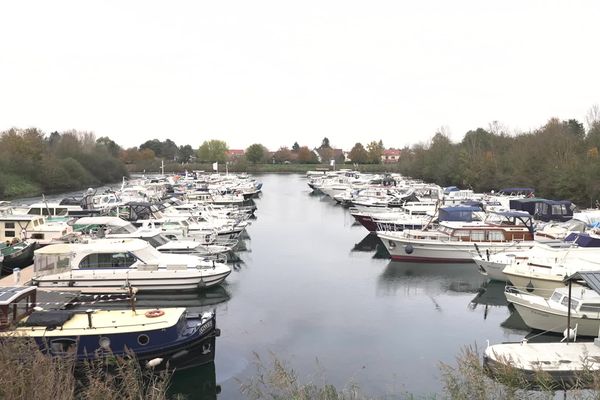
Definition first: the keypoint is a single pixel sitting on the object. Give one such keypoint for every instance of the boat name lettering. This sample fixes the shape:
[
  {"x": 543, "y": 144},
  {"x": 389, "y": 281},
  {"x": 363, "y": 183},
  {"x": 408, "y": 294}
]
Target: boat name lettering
[{"x": 206, "y": 327}]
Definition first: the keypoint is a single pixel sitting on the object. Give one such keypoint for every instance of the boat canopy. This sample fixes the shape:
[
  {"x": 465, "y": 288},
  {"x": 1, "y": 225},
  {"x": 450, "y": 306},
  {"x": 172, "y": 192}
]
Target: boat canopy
[
  {"x": 544, "y": 209},
  {"x": 458, "y": 213},
  {"x": 583, "y": 239},
  {"x": 450, "y": 189}
]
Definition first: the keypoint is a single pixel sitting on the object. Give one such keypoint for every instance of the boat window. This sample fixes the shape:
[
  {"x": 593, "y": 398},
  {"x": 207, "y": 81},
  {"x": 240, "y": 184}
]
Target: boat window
[
  {"x": 60, "y": 211},
  {"x": 461, "y": 233},
  {"x": 157, "y": 240},
  {"x": 590, "y": 307},
  {"x": 143, "y": 339},
  {"x": 107, "y": 260},
  {"x": 478, "y": 236},
  {"x": 556, "y": 297},
  {"x": 9, "y": 233},
  {"x": 495, "y": 236},
  {"x": 565, "y": 302},
  {"x": 559, "y": 209},
  {"x": 61, "y": 346},
  {"x": 34, "y": 211},
  {"x": 37, "y": 236},
  {"x": 9, "y": 225}
]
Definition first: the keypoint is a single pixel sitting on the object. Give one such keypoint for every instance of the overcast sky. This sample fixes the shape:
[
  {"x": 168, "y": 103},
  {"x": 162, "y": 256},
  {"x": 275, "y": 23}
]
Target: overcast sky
[{"x": 276, "y": 72}]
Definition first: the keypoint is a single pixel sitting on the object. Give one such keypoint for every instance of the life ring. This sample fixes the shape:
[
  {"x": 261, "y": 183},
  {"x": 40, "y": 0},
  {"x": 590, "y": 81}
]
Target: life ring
[{"x": 154, "y": 313}]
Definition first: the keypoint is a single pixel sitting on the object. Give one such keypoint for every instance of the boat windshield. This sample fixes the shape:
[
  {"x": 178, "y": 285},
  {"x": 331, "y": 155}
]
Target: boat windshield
[
  {"x": 157, "y": 240},
  {"x": 46, "y": 264}
]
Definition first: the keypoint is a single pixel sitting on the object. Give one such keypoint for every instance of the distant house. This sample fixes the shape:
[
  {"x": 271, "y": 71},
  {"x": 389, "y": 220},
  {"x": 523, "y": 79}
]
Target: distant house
[
  {"x": 234, "y": 154},
  {"x": 390, "y": 156}
]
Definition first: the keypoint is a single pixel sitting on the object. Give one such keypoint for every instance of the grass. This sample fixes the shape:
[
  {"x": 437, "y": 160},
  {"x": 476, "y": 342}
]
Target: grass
[
  {"x": 28, "y": 374},
  {"x": 467, "y": 379}
]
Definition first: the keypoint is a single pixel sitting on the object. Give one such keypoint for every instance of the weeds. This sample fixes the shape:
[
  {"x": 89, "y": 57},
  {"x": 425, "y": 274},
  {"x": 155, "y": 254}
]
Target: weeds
[{"x": 29, "y": 374}]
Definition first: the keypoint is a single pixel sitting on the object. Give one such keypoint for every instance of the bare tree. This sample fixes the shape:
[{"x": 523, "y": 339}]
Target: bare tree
[{"x": 592, "y": 118}]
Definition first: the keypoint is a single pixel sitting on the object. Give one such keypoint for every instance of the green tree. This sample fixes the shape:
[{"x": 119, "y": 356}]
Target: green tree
[
  {"x": 375, "y": 150},
  {"x": 213, "y": 150},
  {"x": 113, "y": 148},
  {"x": 256, "y": 153},
  {"x": 184, "y": 154},
  {"x": 295, "y": 147},
  {"x": 325, "y": 144},
  {"x": 358, "y": 154}
]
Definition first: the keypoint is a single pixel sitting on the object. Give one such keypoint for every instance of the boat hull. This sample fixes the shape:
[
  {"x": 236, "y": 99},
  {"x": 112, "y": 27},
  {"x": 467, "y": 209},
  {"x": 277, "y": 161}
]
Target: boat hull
[
  {"x": 165, "y": 281},
  {"x": 565, "y": 363}
]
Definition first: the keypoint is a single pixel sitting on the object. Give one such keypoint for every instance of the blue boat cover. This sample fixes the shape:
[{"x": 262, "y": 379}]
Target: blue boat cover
[
  {"x": 459, "y": 213},
  {"x": 583, "y": 239}
]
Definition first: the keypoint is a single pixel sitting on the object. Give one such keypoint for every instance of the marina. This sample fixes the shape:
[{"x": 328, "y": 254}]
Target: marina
[{"x": 309, "y": 282}]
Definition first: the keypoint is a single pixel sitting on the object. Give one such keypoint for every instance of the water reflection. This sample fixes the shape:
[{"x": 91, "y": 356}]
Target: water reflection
[
  {"x": 490, "y": 294},
  {"x": 198, "y": 382},
  {"x": 430, "y": 277},
  {"x": 371, "y": 242},
  {"x": 201, "y": 299}
]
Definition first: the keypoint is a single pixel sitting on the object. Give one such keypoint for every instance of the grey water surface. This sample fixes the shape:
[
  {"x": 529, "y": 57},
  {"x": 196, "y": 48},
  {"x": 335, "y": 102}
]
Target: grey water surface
[{"x": 314, "y": 292}]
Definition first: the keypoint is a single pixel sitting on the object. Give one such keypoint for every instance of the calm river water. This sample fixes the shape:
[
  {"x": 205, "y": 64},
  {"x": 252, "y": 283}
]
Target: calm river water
[{"x": 313, "y": 290}]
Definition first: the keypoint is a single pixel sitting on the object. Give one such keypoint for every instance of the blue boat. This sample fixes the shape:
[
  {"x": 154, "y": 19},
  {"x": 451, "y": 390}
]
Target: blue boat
[{"x": 158, "y": 335}]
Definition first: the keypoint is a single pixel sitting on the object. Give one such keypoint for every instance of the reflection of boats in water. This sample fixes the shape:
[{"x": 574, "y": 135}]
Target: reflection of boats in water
[
  {"x": 198, "y": 301},
  {"x": 198, "y": 382},
  {"x": 205, "y": 298},
  {"x": 490, "y": 294},
  {"x": 438, "y": 277},
  {"x": 372, "y": 243}
]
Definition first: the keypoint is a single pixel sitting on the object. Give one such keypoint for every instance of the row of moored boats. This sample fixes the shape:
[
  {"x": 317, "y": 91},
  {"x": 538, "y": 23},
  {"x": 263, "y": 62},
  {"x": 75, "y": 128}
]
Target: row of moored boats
[
  {"x": 169, "y": 234},
  {"x": 547, "y": 252}
]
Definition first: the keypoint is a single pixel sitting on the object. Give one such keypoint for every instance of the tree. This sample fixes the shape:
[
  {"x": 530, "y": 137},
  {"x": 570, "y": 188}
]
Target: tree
[
  {"x": 113, "y": 148},
  {"x": 375, "y": 150},
  {"x": 325, "y": 144},
  {"x": 358, "y": 154},
  {"x": 213, "y": 150},
  {"x": 155, "y": 145},
  {"x": 306, "y": 156},
  {"x": 256, "y": 152},
  {"x": 282, "y": 155},
  {"x": 184, "y": 154},
  {"x": 295, "y": 147}
]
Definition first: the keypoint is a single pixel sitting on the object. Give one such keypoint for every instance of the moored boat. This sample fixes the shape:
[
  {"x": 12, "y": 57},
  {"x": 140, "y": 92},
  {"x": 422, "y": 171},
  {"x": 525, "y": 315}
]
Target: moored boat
[{"x": 172, "y": 334}]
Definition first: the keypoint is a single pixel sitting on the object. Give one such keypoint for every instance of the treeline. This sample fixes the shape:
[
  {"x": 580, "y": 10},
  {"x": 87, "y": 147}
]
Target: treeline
[
  {"x": 32, "y": 162},
  {"x": 560, "y": 160}
]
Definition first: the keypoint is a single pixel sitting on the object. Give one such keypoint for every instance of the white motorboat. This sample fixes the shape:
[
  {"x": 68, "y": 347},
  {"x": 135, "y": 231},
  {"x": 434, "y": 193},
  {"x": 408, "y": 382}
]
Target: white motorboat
[
  {"x": 566, "y": 362},
  {"x": 111, "y": 263},
  {"x": 455, "y": 241},
  {"x": 550, "y": 315}
]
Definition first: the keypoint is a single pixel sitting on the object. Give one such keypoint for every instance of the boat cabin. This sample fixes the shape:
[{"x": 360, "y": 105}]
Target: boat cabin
[
  {"x": 543, "y": 209},
  {"x": 15, "y": 304}
]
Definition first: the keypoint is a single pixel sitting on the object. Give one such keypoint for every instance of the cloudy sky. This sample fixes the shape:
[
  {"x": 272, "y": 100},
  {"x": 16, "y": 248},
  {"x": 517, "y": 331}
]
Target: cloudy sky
[{"x": 276, "y": 72}]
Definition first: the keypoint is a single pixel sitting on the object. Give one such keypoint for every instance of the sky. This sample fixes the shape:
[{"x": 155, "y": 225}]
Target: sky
[{"x": 278, "y": 72}]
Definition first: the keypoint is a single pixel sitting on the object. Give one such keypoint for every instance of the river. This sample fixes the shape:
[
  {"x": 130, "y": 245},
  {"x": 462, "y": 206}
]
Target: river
[{"x": 315, "y": 291}]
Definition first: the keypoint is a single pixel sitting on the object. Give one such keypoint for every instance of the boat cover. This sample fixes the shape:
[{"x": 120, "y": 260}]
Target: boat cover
[{"x": 49, "y": 319}]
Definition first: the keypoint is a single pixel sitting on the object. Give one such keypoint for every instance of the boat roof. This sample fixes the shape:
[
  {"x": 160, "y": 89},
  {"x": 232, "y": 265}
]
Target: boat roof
[
  {"x": 97, "y": 246},
  {"x": 512, "y": 214},
  {"x": 591, "y": 278},
  {"x": 112, "y": 221},
  {"x": 11, "y": 293},
  {"x": 19, "y": 217}
]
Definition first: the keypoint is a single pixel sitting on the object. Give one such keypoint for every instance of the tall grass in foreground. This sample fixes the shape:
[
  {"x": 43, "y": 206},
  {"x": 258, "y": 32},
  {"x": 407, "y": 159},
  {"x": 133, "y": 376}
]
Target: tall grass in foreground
[
  {"x": 28, "y": 374},
  {"x": 467, "y": 380}
]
